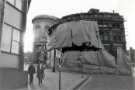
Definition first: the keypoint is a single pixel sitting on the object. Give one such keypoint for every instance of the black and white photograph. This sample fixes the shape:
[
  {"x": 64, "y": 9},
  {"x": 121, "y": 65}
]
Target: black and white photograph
[{"x": 67, "y": 44}]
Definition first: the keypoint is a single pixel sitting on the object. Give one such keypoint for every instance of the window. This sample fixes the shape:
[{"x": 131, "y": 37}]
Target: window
[
  {"x": 11, "y": 31},
  {"x": 6, "y": 38},
  {"x": 15, "y": 41},
  {"x": 106, "y": 38},
  {"x": 104, "y": 25},
  {"x": 101, "y": 37},
  {"x": 12, "y": 16},
  {"x": 16, "y": 3},
  {"x": 109, "y": 25},
  {"x": 11, "y": 2},
  {"x": 10, "y": 39},
  {"x": 116, "y": 25},
  {"x": 100, "y": 25},
  {"x": 117, "y": 38},
  {"x": 19, "y": 4},
  {"x": 121, "y": 26}
]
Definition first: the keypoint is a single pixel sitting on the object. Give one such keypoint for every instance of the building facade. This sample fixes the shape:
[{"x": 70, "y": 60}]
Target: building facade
[
  {"x": 132, "y": 54},
  {"x": 112, "y": 31},
  {"x": 111, "y": 27},
  {"x": 12, "y": 27},
  {"x": 41, "y": 24}
]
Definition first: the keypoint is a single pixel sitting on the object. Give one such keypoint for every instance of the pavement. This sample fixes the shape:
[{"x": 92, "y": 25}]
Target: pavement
[
  {"x": 51, "y": 81},
  {"x": 108, "y": 82}
]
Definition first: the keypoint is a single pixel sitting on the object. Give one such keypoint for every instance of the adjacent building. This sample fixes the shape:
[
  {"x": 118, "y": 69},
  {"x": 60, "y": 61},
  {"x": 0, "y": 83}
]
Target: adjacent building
[
  {"x": 12, "y": 27},
  {"x": 41, "y": 24},
  {"x": 132, "y": 54}
]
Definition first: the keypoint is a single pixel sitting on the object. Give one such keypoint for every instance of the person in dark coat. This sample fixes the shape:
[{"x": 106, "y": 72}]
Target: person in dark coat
[
  {"x": 40, "y": 74},
  {"x": 31, "y": 71},
  {"x": 80, "y": 64}
]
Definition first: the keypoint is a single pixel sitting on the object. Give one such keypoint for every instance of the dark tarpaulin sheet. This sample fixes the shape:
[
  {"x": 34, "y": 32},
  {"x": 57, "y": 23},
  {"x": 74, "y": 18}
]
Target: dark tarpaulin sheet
[
  {"x": 106, "y": 59},
  {"x": 76, "y": 32},
  {"x": 123, "y": 61},
  {"x": 100, "y": 58}
]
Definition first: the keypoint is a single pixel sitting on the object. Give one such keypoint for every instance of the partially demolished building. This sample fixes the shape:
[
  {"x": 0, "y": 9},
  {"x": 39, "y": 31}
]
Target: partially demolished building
[
  {"x": 80, "y": 37},
  {"x": 111, "y": 28}
]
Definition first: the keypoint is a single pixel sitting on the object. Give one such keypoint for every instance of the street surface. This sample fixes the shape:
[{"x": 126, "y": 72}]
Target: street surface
[
  {"x": 51, "y": 81},
  {"x": 109, "y": 82}
]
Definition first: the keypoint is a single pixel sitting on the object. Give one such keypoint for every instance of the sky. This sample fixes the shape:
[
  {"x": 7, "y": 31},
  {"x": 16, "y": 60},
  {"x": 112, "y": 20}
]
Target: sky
[{"x": 59, "y": 8}]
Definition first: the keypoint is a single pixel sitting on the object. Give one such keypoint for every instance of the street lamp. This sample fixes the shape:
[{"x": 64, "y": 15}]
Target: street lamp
[
  {"x": 54, "y": 62},
  {"x": 60, "y": 62},
  {"x": 60, "y": 65}
]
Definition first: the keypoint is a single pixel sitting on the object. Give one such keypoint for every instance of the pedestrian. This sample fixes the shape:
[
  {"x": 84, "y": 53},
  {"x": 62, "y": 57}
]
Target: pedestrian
[
  {"x": 80, "y": 64},
  {"x": 31, "y": 71},
  {"x": 40, "y": 74}
]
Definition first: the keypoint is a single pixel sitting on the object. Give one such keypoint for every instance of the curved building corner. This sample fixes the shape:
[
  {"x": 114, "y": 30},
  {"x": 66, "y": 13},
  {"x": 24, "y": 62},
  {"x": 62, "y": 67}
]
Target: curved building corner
[{"x": 41, "y": 25}]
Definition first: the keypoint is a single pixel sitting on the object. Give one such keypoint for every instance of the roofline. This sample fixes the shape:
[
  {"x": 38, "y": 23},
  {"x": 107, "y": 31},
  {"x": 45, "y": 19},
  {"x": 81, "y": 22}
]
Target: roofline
[{"x": 45, "y": 17}]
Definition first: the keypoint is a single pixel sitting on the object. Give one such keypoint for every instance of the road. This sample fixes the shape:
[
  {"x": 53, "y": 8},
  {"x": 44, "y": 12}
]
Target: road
[
  {"x": 51, "y": 81},
  {"x": 109, "y": 82}
]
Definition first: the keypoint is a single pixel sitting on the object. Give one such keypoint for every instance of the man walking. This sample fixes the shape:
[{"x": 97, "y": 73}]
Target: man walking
[
  {"x": 80, "y": 64},
  {"x": 31, "y": 71}
]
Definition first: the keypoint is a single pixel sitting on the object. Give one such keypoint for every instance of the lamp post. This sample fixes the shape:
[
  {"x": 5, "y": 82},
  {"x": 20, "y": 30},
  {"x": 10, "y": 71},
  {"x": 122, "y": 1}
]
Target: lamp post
[
  {"x": 45, "y": 52},
  {"x": 60, "y": 65},
  {"x": 59, "y": 76},
  {"x": 54, "y": 62}
]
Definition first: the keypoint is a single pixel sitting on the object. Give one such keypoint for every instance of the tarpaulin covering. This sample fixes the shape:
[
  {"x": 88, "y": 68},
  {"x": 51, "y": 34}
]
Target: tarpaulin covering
[
  {"x": 123, "y": 61},
  {"x": 76, "y": 32},
  {"x": 87, "y": 57},
  {"x": 122, "y": 58},
  {"x": 91, "y": 57},
  {"x": 79, "y": 32},
  {"x": 106, "y": 59},
  {"x": 100, "y": 58}
]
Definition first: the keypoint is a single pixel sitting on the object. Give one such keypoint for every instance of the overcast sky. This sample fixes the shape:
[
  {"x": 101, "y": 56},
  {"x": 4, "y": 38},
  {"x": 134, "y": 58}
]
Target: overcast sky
[{"x": 61, "y": 8}]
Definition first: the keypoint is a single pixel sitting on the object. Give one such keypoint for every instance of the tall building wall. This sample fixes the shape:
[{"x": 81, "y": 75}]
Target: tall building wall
[
  {"x": 1, "y": 15},
  {"x": 12, "y": 27}
]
